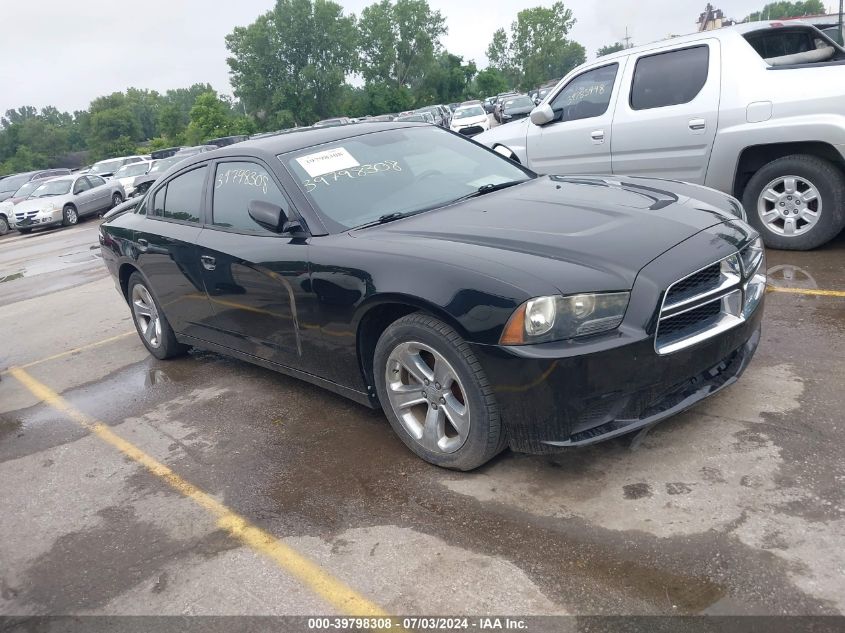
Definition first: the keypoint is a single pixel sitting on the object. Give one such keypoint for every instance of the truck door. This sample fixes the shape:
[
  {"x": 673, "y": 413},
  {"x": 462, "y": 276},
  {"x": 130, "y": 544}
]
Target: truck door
[{"x": 666, "y": 123}]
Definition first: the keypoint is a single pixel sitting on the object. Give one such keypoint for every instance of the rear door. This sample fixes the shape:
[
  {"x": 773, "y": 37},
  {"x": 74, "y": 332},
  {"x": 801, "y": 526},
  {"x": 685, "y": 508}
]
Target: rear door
[
  {"x": 666, "y": 123},
  {"x": 100, "y": 193},
  {"x": 578, "y": 140},
  {"x": 167, "y": 251},
  {"x": 255, "y": 279}
]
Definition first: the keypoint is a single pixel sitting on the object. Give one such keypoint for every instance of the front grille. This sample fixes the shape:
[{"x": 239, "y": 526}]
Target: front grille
[
  {"x": 25, "y": 215},
  {"x": 700, "y": 306},
  {"x": 702, "y": 282}
]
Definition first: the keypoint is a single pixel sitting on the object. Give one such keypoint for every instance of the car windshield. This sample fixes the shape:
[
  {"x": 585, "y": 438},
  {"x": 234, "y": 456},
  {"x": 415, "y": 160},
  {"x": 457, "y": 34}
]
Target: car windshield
[
  {"x": 107, "y": 166},
  {"x": 135, "y": 169},
  {"x": 519, "y": 102},
  {"x": 464, "y": 113},
  {"x": 52, "y": 188},
  {"x": 359, "y": 180},
  {"x": 12, "y": 183},
  {"x": 28, "y": 188},
  {"x": 163, "y": 165}
]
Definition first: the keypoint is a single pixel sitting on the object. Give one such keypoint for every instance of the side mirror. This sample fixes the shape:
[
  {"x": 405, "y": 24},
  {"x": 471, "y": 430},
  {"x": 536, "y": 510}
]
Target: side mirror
[
  {"x": 271, "y": 217},
  {"x": 542, "y": 114}
]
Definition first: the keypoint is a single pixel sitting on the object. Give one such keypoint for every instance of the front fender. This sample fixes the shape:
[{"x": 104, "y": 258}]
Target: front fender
[{"x": 511, "y": 135}]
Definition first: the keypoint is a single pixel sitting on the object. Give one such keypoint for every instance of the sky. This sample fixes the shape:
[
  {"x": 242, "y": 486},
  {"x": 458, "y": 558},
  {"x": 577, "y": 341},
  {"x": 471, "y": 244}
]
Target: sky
[{"x": 65, "y": 54}]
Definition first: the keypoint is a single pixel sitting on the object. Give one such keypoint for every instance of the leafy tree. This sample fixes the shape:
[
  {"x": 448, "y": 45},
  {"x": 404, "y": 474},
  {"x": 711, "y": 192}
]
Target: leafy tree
[
  {"x": 448, "y": 79},
  {"x": 781, "y": 10},
  {"x": 113, "y": 129},
  {"x": 610, "y": 48},
  {"x": 537, "y": 48},
  {"x": 209, "y": 119},
  {"x": 489, "y": 82},
  {"x": 399, "y": 41},
  {"x": 295, "y": 58}
]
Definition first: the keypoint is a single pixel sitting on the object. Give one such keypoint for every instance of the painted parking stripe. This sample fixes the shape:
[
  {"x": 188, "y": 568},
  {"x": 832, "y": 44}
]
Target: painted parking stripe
[
  {"x": 321, "y": 582},
  {"x": 809, "y": 291}
]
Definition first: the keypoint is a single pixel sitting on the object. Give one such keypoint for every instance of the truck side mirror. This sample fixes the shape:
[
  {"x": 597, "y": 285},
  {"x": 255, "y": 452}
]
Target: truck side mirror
[{"x": 542, "y": 114}]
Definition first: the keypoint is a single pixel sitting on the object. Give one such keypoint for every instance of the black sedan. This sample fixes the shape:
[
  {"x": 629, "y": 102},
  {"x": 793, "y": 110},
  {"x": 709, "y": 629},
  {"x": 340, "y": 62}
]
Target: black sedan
[
  {"x": 517, "y": 108},
  {"x": 479, "y": 304}
]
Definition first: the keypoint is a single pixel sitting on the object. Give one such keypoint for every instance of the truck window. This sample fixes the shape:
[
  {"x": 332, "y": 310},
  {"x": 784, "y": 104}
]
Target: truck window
[
  {"x": 793, "y": 46},
  {"x": 587, "y": 95},
  {"x": 670, "y": 78}
]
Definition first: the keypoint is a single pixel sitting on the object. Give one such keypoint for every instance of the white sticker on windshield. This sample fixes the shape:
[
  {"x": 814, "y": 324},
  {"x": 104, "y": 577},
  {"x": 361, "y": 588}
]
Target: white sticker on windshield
[{"x": 327, "y": 161}]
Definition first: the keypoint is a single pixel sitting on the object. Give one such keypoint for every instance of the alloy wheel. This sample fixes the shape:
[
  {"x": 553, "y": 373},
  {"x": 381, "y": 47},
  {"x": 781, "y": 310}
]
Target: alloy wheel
[
  {"x": 427, "y": 396},
  {"x": 146, "y": 315},
  {"x": 789, "y": 205},
  {"x": 71, "y": 217}
]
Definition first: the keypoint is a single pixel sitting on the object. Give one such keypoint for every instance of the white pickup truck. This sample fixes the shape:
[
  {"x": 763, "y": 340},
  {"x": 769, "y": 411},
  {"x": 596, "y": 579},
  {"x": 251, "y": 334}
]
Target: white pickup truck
[{"x": 756, "y": 111}]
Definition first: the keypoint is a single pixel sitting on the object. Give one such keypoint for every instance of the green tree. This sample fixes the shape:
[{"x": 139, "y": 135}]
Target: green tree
[
  {"x": 537, "y": 48},
  {"x": 490, "y": 82},
  {"x": 399, "y": 42},
  {"x": 209, "y": 119},
  {"x": 781, "y": 10},
  {"x": 448, "y": 79},
  {"x": 294, "y": 58},
  {"x": 610, "y": 48}
]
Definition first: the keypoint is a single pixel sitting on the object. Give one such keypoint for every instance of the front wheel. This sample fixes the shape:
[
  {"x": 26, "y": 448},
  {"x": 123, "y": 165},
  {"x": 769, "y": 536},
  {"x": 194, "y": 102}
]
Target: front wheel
[
  {"x": 4, "y": 225},
  {"x": 152, "y": 326},
  {"x": 436, "y": 395},
  {"x": 116, "y": 199},
  {"x": 796, "y": 202},
  {"x": 69, "y": 216}
]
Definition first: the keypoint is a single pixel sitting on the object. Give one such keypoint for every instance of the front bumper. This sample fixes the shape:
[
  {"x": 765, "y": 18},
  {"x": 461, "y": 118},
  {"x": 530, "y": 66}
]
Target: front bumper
[{"x": 41, "y": 220}]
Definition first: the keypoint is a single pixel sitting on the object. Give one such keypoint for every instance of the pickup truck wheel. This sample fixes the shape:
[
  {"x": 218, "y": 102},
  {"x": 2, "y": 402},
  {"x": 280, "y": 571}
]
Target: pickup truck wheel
[
  {"x": 4, "y": 225},
  {"x": 69, "y": 216},
  {"x": 796, "y": 202},
  {"x": 435, "y": 394}
]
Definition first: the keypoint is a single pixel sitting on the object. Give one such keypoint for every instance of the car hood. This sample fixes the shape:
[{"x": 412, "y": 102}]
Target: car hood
[
  {"x": 475, "y": 120},
  {"x": 35, "y": 204},
  {"x": 517, "y": 111},
  {"x": 577, "y": 233}
]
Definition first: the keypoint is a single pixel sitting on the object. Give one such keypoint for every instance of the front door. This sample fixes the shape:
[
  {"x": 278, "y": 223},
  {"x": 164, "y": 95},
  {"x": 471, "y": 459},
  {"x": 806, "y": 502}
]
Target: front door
[
  {"x": 255, "y": 279},
  {"x": 578, "y": 140},
  {"x": 666, "y": 125},
  {"x": 167, "y": 251},
  {"x": 100, "y": 194},
  {"x": 83, "y": 197}
]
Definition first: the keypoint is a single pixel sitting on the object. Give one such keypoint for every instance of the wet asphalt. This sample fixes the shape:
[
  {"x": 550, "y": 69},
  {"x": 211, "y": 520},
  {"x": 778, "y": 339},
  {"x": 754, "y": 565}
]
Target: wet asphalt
[{"x": 735, "y": 507}]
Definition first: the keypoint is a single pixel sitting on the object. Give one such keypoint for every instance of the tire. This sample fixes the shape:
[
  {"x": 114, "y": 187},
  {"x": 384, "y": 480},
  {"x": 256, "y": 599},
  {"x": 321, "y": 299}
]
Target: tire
[
  {"x": 465, "y": 394},
  {"x": 816, "y": 214},
  {"x": 70, "y": 216},
  {"x": 116, "y": 199},
  {"x": 160, "y": 340},
  {"x": 4, "y": 225}
]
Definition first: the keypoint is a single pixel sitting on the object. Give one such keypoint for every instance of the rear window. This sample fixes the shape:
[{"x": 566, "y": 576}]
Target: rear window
[
  {"x": 670, "y": 78},
  {"x": 774, "y": 45}
]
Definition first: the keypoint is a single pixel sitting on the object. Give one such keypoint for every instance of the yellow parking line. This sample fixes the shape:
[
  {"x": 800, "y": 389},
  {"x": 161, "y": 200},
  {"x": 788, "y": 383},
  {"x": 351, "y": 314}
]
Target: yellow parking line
[
  {"x": 309, "y": 573},
  {"x": 75, "y": 350},
  {"x": 809, "y": 291}
]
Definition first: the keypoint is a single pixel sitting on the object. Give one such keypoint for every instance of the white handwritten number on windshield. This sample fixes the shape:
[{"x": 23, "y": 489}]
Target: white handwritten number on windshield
[
  {"x": 242, "y": 177},
  {"x": 353, "y": 173}
]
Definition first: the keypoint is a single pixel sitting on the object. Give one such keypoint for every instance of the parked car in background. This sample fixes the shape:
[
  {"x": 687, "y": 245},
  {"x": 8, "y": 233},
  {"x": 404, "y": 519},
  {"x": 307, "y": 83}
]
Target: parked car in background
[
  {"x": 63, "y": 200},
  {"x": 447, "y": 273},
  {"x": 107, "y": 168},
  {"x": 341, "y": 120},
  {"x": 185, "y": 152},
  {"x": 416, "y": 117},
  {"x": 437, "y": 115},
  {"x": 383, "y": 118},
  {"x": 470, "y": 120},
  {"x": 127, "y": 175},
  {"x": 10, "y": 185},
  {"x": 489, "y": 105},
  {"x": 708, "y": 108},
  {"x": 160, "y": 154},
  {"x": 225, "y": 141},
  {"x": 516, "y": 108},
  {"x": 500, "y": 99},
  {"x": 142, "y": 183}
]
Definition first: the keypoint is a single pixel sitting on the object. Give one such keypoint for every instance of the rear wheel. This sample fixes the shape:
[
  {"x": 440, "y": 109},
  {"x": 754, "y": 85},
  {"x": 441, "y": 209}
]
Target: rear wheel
[
  {"x": 69, "y": 216},
  {"x": 153, "y": 327},
  {"x": 796, "y": 202},
  {"x": 116, "y": 199},
  {"x": 436, "y": 395},
  {"x": 4, "y": 225}
]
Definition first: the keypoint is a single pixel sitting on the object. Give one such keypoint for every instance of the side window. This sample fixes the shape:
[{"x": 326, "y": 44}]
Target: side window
[
  {"x": 81, "y": 185},
  {"x": 158, "y": 202},
  {"x": 96, "y": 181},
  {"x": 183, "y": 198},
  {"x": 235, "y": 185},
  {"x": 669, "y": 78},
  {"x": 586, "y": 96}
]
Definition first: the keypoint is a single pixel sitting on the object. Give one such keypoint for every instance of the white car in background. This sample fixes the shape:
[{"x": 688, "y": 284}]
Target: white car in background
[
  {"x": 470, "y": 120},
  {"x": 127, "y": 174}
]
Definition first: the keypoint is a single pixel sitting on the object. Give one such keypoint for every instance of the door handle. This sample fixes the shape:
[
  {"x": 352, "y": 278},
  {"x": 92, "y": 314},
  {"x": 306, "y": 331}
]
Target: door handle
[
  {"x": 697, "y": 124},
  {"x": 143, "y": 245},
  {"x": 597, "y": 136},
  {"x": 208, "y": 262}
]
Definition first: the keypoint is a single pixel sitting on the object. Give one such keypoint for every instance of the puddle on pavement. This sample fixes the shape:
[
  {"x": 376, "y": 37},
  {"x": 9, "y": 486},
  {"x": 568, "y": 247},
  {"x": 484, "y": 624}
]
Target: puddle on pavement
[{"x": 11, "y": 277}]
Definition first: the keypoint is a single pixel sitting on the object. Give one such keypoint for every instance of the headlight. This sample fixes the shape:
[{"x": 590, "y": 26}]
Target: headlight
[
  {"x": 751, "y": 256},
  {"x": 557, "y": 318}
]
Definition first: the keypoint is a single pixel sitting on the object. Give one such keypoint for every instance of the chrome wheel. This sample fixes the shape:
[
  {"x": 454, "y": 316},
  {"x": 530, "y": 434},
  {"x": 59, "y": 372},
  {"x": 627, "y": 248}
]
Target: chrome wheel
[
  {"x": 116, "y": 200},
  {"x": 71, "y": 216},
  {"x": 146, "y": 315},
  {"x": 789, "y": 205},
  {"x": 427, "y": 396}
]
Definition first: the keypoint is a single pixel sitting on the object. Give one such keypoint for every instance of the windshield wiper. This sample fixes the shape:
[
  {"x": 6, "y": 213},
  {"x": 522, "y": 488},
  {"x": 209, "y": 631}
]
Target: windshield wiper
[
  {"x": 490, "y": 188},
  {"x": 389, "y": 217}
]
